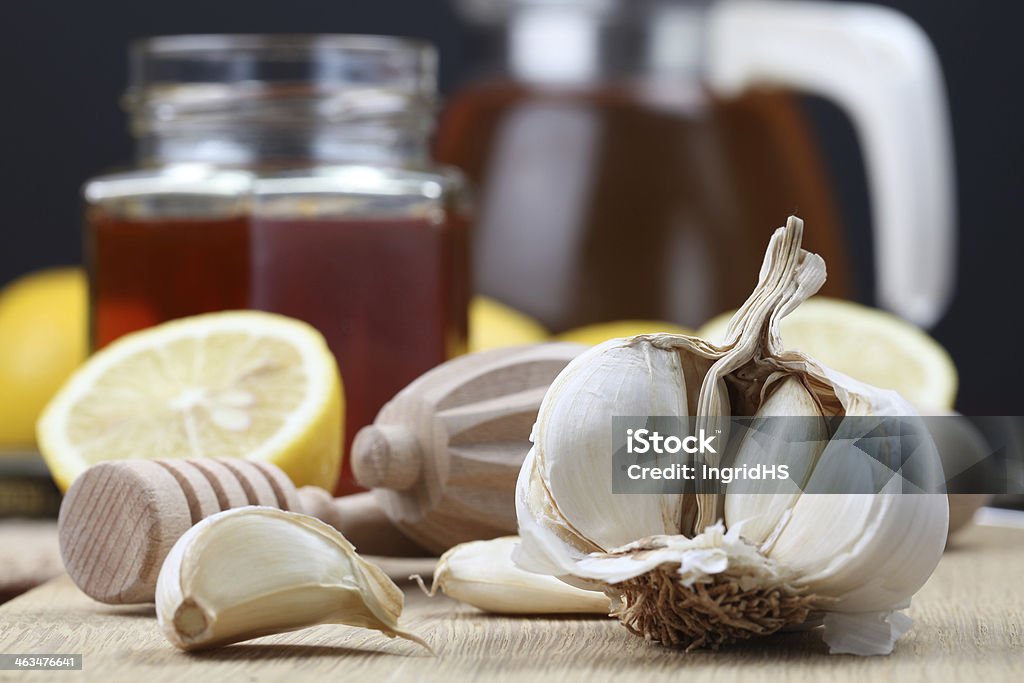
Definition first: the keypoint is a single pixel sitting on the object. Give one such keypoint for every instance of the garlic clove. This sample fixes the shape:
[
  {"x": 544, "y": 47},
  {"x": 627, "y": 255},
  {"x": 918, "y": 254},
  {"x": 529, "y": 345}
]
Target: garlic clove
[
  {"x": 550, "y": 546},
  {"x": 482, "y": 574},
  {"x": 796, "y": 441},
  {"x": 801, "y": 544},
  {"x": 254, "y": 571},
  {"x": 887, "y": 559},
  {"x": 896, "y": 535},
  {"x": 573, "y": 436}
]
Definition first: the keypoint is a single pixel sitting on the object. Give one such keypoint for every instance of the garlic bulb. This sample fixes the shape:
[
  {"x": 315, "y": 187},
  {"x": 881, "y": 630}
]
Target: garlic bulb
[
  {"x": 482, "y": 574},
  {"x": 701, "y": 569},
  {"x": 254, "y": 571}
]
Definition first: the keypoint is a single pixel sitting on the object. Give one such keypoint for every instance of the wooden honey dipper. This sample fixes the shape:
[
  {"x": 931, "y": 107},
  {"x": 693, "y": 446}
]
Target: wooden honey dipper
[{"x": 120, "y": 519}]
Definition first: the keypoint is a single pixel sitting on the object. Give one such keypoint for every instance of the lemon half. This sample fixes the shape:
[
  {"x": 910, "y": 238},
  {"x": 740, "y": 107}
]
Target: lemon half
[
  {"x": 867, "y": 344},
  {"x": 236, "y": 384}
]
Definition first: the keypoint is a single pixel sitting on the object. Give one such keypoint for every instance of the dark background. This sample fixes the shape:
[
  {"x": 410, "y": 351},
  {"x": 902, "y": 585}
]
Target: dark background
[{"x": 63, "y": 69}]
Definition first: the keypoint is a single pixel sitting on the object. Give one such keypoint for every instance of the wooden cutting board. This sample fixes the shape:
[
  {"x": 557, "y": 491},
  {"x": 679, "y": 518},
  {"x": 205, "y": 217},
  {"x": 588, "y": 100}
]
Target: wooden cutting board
[{"x": 969, "y": 626}]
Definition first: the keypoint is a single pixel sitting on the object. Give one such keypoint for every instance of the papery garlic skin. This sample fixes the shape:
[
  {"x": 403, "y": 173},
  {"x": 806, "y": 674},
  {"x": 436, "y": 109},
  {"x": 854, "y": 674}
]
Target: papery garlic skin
[
  {"x": 482, "y": 574},
  {"x": 254, "y": 571},
  {"x": 854, "y": 558}
]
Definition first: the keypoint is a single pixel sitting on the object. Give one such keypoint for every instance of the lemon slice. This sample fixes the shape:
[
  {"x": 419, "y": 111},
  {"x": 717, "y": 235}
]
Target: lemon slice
[
  {"x": 866, "y": 344},
  {"x": 597, "y": 333},
  {"x": 236, "y": 384}
]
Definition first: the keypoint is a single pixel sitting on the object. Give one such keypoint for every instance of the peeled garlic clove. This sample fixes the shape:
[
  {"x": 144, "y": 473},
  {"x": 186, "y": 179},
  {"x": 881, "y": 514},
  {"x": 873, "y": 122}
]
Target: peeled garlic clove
[
  {"x": 793, "y": 433},
  {"x": 255, "y": 571},
  {"x": 482, "y": 574}
]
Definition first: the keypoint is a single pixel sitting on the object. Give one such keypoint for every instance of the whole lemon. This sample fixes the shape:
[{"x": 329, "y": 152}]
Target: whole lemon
[
  {"x": 591, "y": 335},
  {"x": 493, "y": 325},
  {"x": 43, "y": 330}
]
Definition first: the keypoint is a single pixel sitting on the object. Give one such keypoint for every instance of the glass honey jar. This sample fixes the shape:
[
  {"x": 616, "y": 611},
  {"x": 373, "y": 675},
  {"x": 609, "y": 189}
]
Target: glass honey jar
[{"x": 288, "y": 174}]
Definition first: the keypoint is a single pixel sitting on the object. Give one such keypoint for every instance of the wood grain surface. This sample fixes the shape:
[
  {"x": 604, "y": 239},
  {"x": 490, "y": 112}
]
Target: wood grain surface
[
  {"x": 28, "y": 555},
  {"x": 969, "y": 626}
]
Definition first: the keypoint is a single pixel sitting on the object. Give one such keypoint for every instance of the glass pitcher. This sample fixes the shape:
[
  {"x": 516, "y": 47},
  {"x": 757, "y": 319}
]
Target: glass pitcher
[{"x": 632, "y": 158}]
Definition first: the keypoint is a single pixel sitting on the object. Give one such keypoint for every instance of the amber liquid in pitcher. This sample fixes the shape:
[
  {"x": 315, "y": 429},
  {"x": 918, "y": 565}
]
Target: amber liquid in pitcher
[
  {"x": 389, "y": 294},
  {"x": 599, "y": 205},
  {"x": 145, "y": 271}
]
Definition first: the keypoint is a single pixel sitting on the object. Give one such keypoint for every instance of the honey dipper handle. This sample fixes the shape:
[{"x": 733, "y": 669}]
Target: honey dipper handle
[{"x": 360, "y": 519}]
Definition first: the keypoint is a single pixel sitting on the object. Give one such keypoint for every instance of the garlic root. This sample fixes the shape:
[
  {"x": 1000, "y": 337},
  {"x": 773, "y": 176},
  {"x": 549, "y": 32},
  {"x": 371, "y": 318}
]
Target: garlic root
[{"x": 659, "y": 607}]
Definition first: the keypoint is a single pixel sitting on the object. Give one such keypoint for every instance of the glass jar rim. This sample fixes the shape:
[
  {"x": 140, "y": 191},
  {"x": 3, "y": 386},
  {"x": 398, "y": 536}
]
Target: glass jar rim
[
  {"x": 327, "y": 61},
  {"x": 197, "y": 43},
  {"x": 236, "y": 98}
]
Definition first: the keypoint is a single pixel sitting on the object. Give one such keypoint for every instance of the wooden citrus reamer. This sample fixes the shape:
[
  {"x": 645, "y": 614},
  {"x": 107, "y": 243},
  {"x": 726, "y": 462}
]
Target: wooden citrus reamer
[{"x": 443, "y": 456}]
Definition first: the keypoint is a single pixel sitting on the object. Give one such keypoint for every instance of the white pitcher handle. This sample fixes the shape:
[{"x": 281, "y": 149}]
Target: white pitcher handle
[{"x": 882, "y": 70}]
